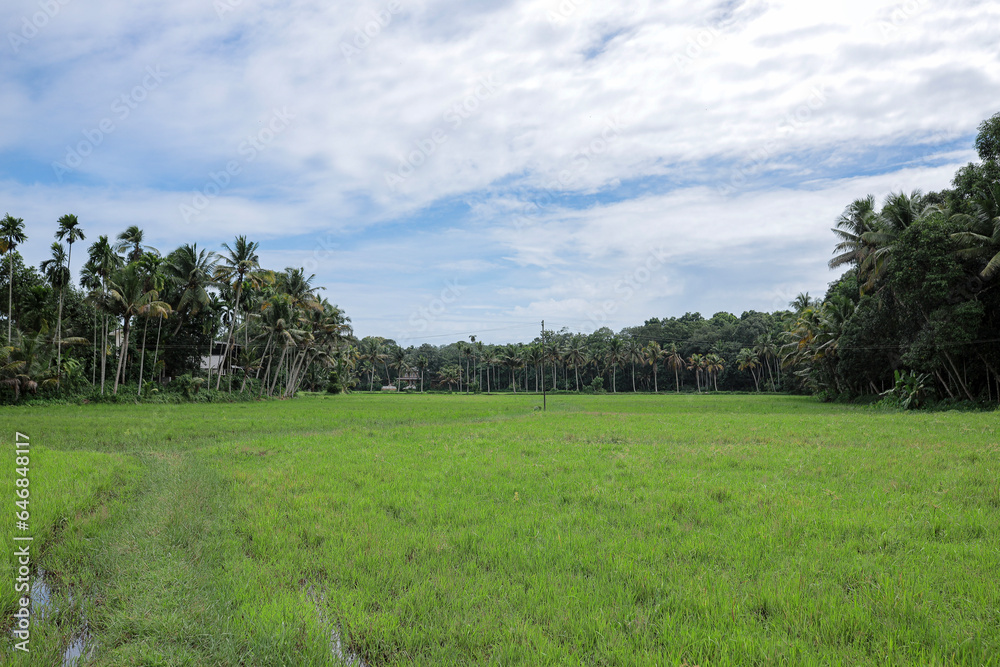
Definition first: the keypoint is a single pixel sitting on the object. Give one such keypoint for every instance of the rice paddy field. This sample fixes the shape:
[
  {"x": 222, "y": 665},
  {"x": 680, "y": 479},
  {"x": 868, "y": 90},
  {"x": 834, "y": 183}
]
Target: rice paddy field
[{"x": 477, "y": 530}]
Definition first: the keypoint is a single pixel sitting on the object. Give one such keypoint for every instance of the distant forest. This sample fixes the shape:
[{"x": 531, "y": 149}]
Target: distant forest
[{"x": 914, "y": 319}]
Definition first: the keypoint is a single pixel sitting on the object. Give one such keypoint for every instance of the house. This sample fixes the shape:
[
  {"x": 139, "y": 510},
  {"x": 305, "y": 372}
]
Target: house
[
  {"x": 215, "y": 360},
  {"x": 411, "y": 378}
]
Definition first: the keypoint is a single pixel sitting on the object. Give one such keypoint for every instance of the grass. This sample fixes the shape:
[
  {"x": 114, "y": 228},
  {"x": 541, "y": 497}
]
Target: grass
[{"x": 475, "y": 530}]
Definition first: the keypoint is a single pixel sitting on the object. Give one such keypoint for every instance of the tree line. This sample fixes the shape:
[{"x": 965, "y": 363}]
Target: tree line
[
  {"x": 192, "y": 319},
  {"x": 913, "y": 318}
]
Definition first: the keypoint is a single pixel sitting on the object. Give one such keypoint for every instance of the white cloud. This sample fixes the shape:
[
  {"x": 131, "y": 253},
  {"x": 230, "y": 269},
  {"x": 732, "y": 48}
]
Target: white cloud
[{"x": 516, "y": 100}]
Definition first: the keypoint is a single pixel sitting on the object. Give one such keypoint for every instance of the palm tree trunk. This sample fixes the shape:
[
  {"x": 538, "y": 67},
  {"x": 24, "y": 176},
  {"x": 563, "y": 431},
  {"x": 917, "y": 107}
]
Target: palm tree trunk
[
  {"x": 267, "y": 346},
  {"x": 958, "y": 376},
  {"x": 69, "y": 261},
  {"x": 633, "y": 377},
  {"x": 121, "y": 357},
  {"x": 229, "y": 338},
  {"x": 93, "y": 370},
  {"x": 295, "y": 371},
  {"x": 10, "y": 292},
  {"x": 211, "y": 347},
  {"x": 156, "y": 349},
  {"x": 59, "y": 340},
  {"x": 263, "y": 384},
  {"x": 944, "y": 384},
  {"x": 656, "y": 387},
  {"x": 576, "y": 371},
  {"x": 277, "y": 371},
  {"x": 104, "y": 349},
  {"x": 142, "y": 357}
]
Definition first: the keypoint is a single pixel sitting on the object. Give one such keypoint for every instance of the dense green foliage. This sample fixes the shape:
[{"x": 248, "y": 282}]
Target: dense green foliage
[
  {"x": 439, "y": 530},
  {"x": 920, "y": 295},
  {"x": 149, "y": 326}
]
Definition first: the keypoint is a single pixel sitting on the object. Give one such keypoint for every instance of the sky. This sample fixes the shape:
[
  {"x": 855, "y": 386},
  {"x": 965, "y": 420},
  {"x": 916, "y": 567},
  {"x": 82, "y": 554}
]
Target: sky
[{"x": 457, "y": 169}]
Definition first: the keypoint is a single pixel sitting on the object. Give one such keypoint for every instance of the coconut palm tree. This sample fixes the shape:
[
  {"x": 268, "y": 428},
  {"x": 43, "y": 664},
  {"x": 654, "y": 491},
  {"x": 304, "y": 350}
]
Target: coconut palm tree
[
  {"x": 478, "y": 359},
  {"x": 654, "y": 354},
  {"x": 450, "y": 375},
  {"x": 552, "y": 351},
  {"x": 236, "y": 266},
  {"x": 69, "y": 230},
  {"x": 981, "y": 238},
  {"x": 899, "y": 212},
  {"x": 462, "y": 352},
  {"x": 576, "y": 354},
  {"x": 91, "y": 282},
  {"x": 696, "y": 363},
  {"x": 766, "y": 350},
  {"x": 160, "y": 310},
  {"x": 56, "y": 273},
  {"x": 676, "y": 362},
  {"x": 11, "y": 235},
  {"x": 422, "y": 364},
  {"x": 372, "y": 350},
  {"x": 714, "y": 364},
  {"x": 150, "y": 265},
  {"x": 858, "y": 219},
  {"x": 488, "y": 358},
  {"x": 746, "y": 360},
  {"x": 129, "y": 297},
  {"x": 534, "y": 356},
  {"x": 103, "y": 258},
  {"x": 634, "y": 355},
  {"x": 278, "y": 319},
  {"x": 191, "y": 270},
  {"x": 803, "y": 301},
  {"x": 615, "y": 354},
  {"x": 297, "y": 285},
  {"x": 512, "y": 359},
  {"x": 131, "y": 239},
  {"x": 397, "y": 355}
]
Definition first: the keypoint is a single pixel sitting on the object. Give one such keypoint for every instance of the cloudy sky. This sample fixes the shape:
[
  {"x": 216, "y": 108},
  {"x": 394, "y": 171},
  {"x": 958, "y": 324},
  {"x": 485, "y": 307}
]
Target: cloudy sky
[{"x": 448, "y": 169}]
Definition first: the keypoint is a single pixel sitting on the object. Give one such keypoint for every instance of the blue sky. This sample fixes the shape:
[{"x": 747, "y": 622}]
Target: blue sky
[{"x": 472, "y": 168}]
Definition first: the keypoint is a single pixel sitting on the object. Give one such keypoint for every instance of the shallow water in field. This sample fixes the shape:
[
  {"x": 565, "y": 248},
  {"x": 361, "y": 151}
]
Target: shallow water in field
[
  {"x": 343, "y": 653},
  {"x": 340, "y": 652},
  {"x": 42, "y": 606},
  {"x": 41, "y": 596},
  {"x": 81, "y": 646}
]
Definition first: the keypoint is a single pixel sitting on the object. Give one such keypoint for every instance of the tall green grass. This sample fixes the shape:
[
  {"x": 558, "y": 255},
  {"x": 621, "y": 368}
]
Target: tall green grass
[{"x": 476, "y": 530}]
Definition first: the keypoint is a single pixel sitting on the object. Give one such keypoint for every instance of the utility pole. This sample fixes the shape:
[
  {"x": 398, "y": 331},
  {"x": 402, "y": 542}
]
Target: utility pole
[{"x": 543, "y": 368}]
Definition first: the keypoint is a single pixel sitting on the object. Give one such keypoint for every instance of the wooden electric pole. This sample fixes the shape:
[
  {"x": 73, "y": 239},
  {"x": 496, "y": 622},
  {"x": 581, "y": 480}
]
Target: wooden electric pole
[{"x": 543, "y": 368}]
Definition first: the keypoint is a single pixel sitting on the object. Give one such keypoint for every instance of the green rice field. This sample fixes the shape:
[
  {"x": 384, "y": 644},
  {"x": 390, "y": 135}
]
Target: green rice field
[{"x": 478, "y": 530}]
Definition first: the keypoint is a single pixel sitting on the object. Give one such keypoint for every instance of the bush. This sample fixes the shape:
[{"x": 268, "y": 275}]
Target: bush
[{"x": 188, "y": 385}]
